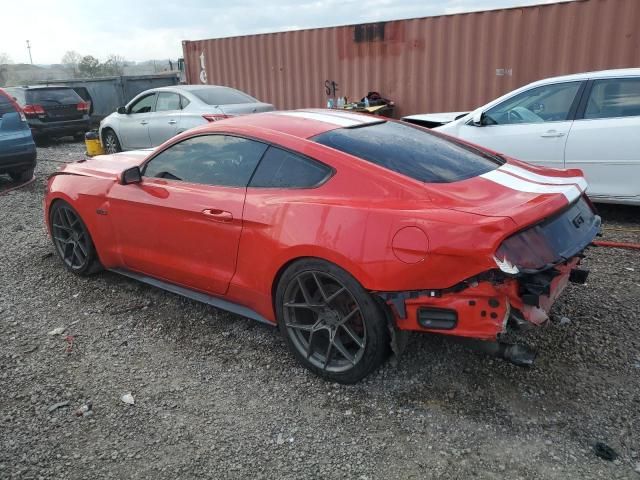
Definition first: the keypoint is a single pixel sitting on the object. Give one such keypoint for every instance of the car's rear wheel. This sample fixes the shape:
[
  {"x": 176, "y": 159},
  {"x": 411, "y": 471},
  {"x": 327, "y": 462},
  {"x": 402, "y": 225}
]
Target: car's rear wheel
[
  {"x": 330, "y": 322},
  {"x": 111, "y": 142},
  {"x": 22, "y": 175},
  {"x": 72, "y": 240}
]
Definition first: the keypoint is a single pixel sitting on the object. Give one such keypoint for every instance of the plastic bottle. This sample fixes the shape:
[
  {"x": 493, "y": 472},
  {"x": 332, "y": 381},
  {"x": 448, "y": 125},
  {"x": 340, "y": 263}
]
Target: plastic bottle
[{"x": 366, "y": 102}]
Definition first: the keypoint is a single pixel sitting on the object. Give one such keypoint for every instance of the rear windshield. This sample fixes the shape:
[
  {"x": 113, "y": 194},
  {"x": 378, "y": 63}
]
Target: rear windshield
[
  {"x": 411, "y": 151},
  {"x": 53, "y": 96},
  {"x": 222, "y": 96}
]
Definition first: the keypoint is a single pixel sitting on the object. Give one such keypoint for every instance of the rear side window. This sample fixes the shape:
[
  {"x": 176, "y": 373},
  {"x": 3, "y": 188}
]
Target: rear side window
[
  {"x": 281, "y": 169},
  {"x": 617, "y": 97},
  {"x": 6, "y": 106},
  {"x": 222, "y": 96},
  {"x": 167, "y": 101},
  {"x": 411, "y": 151},
  {"x": 53, "y": 96}
]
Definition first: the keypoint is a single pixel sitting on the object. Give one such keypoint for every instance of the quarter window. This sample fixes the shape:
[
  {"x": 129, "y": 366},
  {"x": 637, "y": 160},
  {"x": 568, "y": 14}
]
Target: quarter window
[
  {"x": 209, "y": 159},
  {"x": 616, "y": 97},
  {"x": 281, "y": 169},
  {"x": 167, "y": 101},
  {"x": 144, "y": 105},
  {"x": 548, "y": 103}
]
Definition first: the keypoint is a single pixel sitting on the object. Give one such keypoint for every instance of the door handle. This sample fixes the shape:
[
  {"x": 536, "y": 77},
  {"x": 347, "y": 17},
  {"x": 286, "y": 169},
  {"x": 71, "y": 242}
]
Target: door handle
[
  {"x": 172, "y": 122},
  {"x": 552, "y": 134},
  {"x": 218, "y": 215},
  {"x": 143, "y": 122}
]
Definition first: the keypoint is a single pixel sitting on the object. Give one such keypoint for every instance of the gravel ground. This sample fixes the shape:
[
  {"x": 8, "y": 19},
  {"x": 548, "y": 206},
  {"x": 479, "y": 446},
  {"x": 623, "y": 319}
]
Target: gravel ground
[{"x": 219, "y": 396}]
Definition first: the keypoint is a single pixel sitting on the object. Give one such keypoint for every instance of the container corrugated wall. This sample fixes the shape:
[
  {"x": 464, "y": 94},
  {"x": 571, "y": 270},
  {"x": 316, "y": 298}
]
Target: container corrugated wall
[{"x": 432, "y": 64}]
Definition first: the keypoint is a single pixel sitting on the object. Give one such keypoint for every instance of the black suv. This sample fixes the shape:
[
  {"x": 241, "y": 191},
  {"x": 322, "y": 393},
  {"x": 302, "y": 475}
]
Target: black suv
[{"x": 53, "y": 111}]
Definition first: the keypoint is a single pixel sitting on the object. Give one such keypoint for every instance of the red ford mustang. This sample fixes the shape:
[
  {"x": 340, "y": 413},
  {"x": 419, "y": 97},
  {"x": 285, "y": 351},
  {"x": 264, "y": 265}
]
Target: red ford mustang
[{"x": 344, "y": 230}]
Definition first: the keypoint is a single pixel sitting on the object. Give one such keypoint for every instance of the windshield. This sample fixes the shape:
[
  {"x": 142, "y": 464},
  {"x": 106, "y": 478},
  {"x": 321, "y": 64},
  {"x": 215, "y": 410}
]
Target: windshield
[
  {"x": 222, "y": 96},
  {"x": 53, "y": 96},
  {"x": 411, "y": 151}
]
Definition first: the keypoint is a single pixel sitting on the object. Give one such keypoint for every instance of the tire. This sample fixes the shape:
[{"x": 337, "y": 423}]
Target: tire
[
  {"x": 42, "y": 140},
  {"x": 72, "y": 240},
  {"x": 111, "y": 142},
  {"x": 22, "y": 175},
  {"x": 330, "y": 322}
]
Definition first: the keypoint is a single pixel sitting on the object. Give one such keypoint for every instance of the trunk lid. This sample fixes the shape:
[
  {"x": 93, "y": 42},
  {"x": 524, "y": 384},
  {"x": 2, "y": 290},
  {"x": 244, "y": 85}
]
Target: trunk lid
[
  {"x": 519, "y": 191},
  {"x": 246, "y": 108}
]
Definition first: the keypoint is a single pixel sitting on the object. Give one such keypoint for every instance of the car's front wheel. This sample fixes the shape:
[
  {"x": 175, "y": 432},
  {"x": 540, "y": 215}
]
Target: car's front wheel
[
  {"x": 111, "y": 142},
  {"x": 72, "y": 240},
  {"x": 330, "y": 322}
]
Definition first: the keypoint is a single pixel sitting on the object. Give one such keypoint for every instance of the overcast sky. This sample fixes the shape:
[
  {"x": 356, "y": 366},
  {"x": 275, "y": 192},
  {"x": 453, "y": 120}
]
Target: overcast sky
[{"x": 153, "y": 29}]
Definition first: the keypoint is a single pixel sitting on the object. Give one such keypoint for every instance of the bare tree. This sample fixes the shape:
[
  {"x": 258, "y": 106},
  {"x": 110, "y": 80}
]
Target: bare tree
[
  {"x": 114, "y": 65},
  {"x": 71, "y": 60}
]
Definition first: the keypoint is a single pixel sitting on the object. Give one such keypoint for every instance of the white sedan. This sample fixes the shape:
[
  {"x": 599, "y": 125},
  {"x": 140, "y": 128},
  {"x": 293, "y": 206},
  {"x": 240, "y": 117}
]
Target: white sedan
[
  {"x": 156, "y": 115},
  {"x": 589, "y": 121}
]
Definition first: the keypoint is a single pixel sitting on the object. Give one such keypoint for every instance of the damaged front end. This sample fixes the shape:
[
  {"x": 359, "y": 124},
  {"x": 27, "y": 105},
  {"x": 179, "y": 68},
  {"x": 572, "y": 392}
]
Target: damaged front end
[{"x": 534, "y": 266}]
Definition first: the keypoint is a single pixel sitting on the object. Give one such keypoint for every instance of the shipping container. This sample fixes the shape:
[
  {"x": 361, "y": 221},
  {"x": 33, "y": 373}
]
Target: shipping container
[{"x": 431, "y": 64}]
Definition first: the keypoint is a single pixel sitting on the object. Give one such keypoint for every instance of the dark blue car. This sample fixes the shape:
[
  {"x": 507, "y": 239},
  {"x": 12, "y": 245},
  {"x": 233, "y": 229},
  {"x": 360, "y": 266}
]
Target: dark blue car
[{"x": 17, "y": 148}]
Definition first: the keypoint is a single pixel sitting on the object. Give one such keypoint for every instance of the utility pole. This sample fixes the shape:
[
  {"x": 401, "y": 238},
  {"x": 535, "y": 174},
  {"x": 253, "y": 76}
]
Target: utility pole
[{"x": 29, "y": 48}]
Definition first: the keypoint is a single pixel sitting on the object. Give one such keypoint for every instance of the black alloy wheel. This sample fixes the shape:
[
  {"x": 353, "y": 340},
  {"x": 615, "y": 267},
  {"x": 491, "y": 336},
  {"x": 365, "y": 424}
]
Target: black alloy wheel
[
  {"x": 72, "y": 240},
  {"x": 330, "y": 322}
]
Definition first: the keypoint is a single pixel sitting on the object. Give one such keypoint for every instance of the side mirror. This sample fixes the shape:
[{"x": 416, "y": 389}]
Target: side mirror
[
  {"x": 131, "y": 175},
  {"x": 122, "y": 110},
  {"x": 477, "y": 118}
]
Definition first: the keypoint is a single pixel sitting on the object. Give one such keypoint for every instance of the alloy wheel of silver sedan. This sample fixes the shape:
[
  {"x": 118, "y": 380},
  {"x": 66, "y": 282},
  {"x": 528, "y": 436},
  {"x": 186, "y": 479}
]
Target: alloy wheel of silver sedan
[{"x": 111, "y": 143}]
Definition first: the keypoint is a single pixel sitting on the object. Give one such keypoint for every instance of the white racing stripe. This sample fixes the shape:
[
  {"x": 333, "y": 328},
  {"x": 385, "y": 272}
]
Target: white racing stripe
[
  {"x": 323, "y": 117},
  {"x": 358, "y": 118},
  {"x": 526, "y": 174},
  {"x": 571, "y": 192},
  {"x": 340, "y": 119}
]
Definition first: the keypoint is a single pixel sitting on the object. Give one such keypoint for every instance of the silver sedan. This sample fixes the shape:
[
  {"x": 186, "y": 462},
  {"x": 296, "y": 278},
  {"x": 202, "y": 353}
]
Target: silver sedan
[{"x": 158, "y": 114}]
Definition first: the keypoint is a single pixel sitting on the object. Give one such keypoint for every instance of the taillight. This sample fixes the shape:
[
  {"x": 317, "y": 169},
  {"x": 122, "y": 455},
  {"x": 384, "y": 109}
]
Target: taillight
[
  {"x": 83, "y": 107},
  {"x": 33, "y": 110},
  {"x": 214, "y": 117},
  {"x": 527, "y": 250}
]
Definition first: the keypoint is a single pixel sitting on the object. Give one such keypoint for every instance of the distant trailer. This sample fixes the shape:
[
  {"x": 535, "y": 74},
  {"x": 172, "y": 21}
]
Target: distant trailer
[{"x": 106, "y": 94}]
